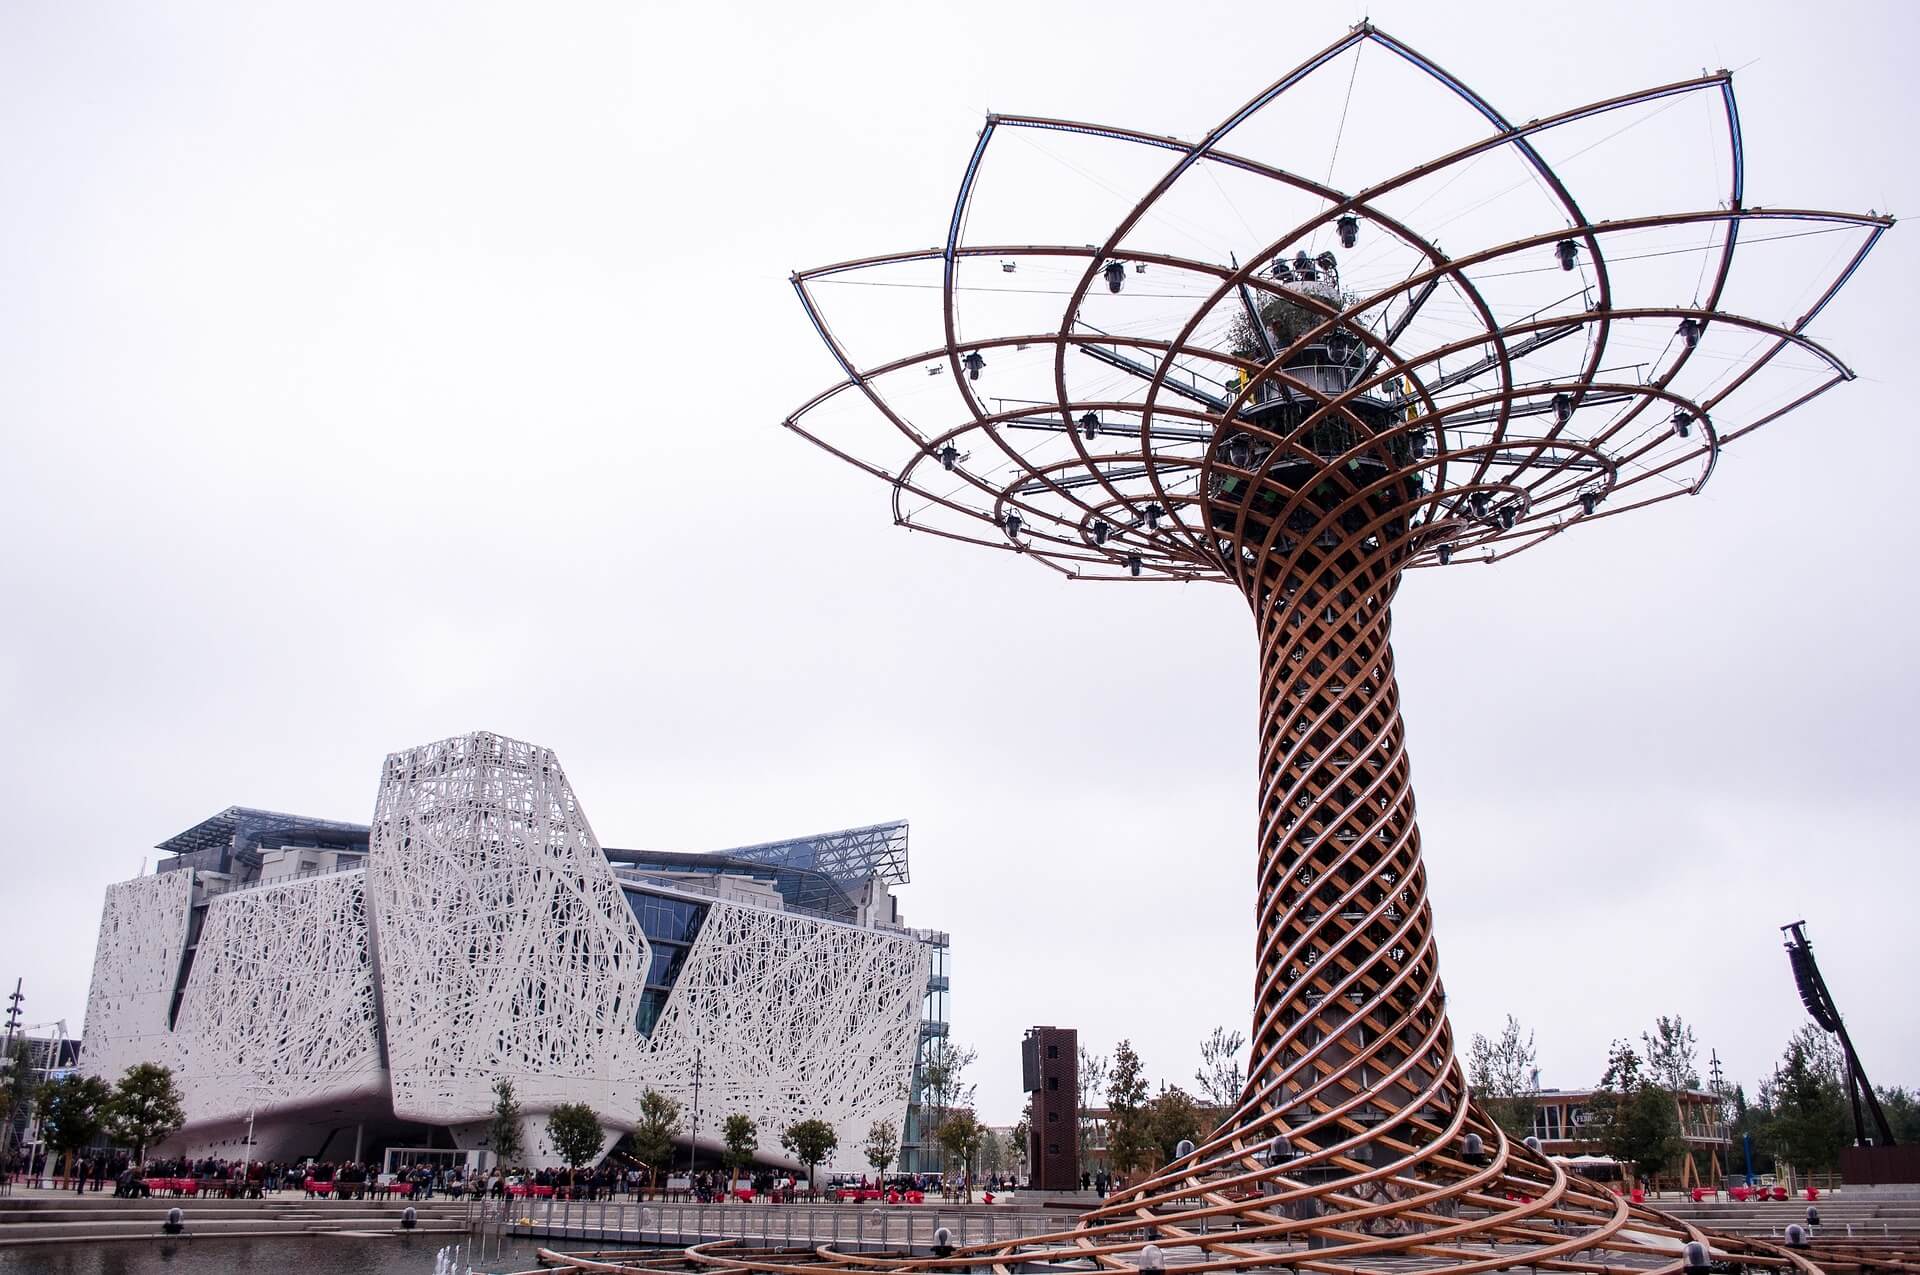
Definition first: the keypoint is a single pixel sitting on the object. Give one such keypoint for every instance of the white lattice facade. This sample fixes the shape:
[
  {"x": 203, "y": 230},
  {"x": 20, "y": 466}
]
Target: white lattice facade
[{"x": 487, "y": 936}]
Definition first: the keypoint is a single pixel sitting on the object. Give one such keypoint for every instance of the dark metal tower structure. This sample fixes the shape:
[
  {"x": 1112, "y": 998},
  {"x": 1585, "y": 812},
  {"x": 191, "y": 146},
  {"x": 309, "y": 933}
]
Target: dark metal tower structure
[{"x": 1826, "y": 1015}]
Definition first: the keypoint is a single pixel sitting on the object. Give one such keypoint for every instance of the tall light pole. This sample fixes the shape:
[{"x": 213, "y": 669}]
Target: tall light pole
[{"x": 693, "y": 1131}]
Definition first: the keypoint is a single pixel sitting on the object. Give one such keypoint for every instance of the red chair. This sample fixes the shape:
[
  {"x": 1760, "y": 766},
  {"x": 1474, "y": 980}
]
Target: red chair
[
  {"x": 1813, "y": 1193},
  {"x": 1639, "y": 1196},
  {"x": 1741, "y": 1193},
  {"x": 1779, "y": 1193}
]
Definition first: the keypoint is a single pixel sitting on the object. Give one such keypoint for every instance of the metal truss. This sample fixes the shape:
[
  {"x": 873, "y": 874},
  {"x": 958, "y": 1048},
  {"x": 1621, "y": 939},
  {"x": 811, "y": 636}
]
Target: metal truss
[
  {"x": 850, "y": 856},
  {"x": 1261, "y": 423}
]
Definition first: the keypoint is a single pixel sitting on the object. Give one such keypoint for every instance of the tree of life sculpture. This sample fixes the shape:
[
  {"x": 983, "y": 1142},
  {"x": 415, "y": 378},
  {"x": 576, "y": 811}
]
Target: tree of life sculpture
[{"x": 1307, "y": 430}]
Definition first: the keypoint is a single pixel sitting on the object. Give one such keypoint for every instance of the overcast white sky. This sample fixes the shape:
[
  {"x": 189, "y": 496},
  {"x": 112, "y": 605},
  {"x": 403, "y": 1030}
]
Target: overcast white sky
[{"x": 374, "y": 373}]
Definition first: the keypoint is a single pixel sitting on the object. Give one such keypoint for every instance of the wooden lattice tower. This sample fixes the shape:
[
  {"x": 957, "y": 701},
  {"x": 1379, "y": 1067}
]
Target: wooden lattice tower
[{"x": 1308, "y": 442}]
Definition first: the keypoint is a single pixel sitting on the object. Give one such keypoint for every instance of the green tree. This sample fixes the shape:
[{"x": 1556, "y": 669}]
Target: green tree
[
  {"x": 1017, "y": 1139},
  {"x": 810, "y": 1141},
  {"x": 1632, "y": 1117},
  {"x": 960, "y": 1138},
  {"x": 1220, "y": 1077},
  {"x": 503, "y": 1129},
  {"x": 575, "y": 1130},
  {"x": 1902, "y": 1108},
  {"x": 144, "y": 1109},
  {"x": 1672, "y": 1058},
  {"x": 72, "y": 1111},
  {"x": 1129, "y": 1140},
  {"x": 1094, "y": 1071},
  {"x": 1173, "y": 1117},
  {"x": 19, "y": 1089},
  {"x": 1808, "y": 1122},
  {"x": 883, "y": 1144},
  {"x": 993, "y": 1153},
  {"x": 742, "y": 1138},
  {"x": 1501, "y": 1073},
  {"x": 947, "y": 1087},
  {"x": 652, "y": 1136}
]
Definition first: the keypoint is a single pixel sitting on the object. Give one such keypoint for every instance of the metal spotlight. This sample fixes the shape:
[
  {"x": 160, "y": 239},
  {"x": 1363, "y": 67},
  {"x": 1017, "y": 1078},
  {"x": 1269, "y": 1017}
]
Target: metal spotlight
[
  {"x": 1133, "y": 564},
  {"x": 1152, "y": 1259},
  {"x": 1417, "y": 444},
  {"x": 1507, "y": 516},
  {"x": 1446, "y": 554},
  {"x": 1796, "y": 1236},
  {"x": 1562, "y": 408},
  {"x": 1101, "y": 531},
  {"x": 1568, "y": 251},
  {"x": 409, "y": 1218},
  {"x": 1349, "y": 228},
  {"x": 1013, "y": 526},
  {"x": 1690, "y": 330},
  {"x": 1327, "y": 263},
  {"x": 942, "y": 1242},
  {"x": 1239, "y": 451},
  {"x": 1682, "y": 424},
  {"x": 1481, "y": 501},
  {"x": 1697, "y": 1260},
  {"x": 1139, "y": 267},
  {"x": 1116, "y": 276},
  {"x": 176, "y": 1221},
  {"x": 1006, "y": 267},
  {"x": 1153, "y": 515},
  {"x": 1090, "y": 426},
  {"x": 1589, "y": 501},
  {"x": 973, "y": 363},
  {"x": 948, "y": 455}
]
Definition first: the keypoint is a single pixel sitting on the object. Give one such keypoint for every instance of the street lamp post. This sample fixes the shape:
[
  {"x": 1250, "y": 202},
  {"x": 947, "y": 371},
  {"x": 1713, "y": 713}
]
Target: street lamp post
[{"x": 693, "y": 1130}]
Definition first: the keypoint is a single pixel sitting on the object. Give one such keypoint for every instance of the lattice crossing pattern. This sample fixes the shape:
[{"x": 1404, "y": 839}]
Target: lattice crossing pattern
[{"x": 1254, "y": 421}]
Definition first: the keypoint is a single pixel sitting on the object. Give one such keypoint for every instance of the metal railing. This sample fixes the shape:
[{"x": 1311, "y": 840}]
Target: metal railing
[{"x": 852, "y": 1227}]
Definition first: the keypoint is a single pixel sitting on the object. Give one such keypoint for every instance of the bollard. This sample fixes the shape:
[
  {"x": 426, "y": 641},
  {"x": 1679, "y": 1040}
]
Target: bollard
[
  {"x": 1697, "y": 1260},
  {"x": 1796, "y": 1236},
  {"x": 408, "y": 1218},
  {"x": 176, "y": 1221},
  {"x": 942, "y": 1242}
]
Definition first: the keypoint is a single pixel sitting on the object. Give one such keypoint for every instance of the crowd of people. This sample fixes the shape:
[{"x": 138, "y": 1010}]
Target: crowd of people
[{"x": 256, "y": 1179}]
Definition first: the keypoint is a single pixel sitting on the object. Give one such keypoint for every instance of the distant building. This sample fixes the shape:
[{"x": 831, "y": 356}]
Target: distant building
[
  {"x": 50, "y": 1054},
  {"x": 1560, "y": 1122},
  {"x": 347, "y": 988},
  {"x": 1050, "y": 1073}
]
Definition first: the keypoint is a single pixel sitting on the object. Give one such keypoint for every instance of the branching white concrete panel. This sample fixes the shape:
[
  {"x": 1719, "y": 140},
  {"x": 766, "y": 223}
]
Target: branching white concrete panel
[
  {"x": 793, "y": 1018},
  {"x": 280, "y": 1007},
  {"x": 143, "y": 932},
  {"x": 502, "y": 943}
]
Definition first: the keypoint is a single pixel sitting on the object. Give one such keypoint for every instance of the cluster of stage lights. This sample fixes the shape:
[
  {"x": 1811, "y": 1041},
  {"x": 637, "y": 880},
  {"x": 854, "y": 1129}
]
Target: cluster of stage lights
[{"x": 1305, "y": 269}]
